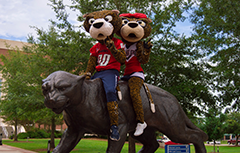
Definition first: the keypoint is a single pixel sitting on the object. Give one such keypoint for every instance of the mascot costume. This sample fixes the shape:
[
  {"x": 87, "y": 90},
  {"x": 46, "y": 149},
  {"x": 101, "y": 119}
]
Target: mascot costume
[
  {"x": 106, "y": 57},
  {"x": 134, "y": 28}
]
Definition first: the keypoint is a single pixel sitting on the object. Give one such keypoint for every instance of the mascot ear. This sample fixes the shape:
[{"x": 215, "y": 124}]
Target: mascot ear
[
  {"x": 85, "y": 15},
  {"x": 116, "y": 11},
  {"x": 149, "y": 20}
]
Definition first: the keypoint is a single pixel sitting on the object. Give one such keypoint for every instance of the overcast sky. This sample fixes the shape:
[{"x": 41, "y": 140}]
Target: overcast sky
[{"x": 16, "y": 17}]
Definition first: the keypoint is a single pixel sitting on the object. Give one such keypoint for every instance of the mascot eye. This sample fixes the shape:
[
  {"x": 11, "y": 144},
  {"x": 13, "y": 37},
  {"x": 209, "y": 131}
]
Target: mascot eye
[
  {"x": 108, "y": 18},
  {"x": 141, "y": 23},
  {"x": 124, "y": 21},
  {"x": 90, "y": 21}
]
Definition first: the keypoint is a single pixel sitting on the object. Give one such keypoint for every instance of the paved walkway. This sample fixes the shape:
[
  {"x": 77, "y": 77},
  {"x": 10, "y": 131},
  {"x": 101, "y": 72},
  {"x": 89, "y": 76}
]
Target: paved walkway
[{"x": 9, "y": 149}]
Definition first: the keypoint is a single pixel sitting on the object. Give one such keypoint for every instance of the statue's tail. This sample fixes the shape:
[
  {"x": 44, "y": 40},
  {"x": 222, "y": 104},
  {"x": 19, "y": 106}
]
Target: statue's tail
[{"x": 152, "y": 105}]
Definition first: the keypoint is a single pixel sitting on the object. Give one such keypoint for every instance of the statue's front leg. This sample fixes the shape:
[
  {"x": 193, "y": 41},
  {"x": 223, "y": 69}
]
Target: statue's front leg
[
  {"x": 69, "y": 140},
  {"x": 116, "y": 146}
]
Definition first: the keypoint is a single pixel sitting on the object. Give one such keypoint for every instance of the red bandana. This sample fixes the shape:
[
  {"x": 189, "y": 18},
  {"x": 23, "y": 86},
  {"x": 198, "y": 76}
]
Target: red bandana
[{"x": 135, "y": 15}]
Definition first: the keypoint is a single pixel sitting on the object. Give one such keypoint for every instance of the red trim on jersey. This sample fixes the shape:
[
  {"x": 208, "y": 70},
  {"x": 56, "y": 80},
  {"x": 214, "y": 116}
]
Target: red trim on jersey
[{"x": 133, "y": 65}]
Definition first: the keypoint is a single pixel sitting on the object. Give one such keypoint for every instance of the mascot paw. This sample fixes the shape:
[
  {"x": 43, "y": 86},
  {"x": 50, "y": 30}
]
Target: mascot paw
[
  {"x": 147, "y": 44},
  {"x": 88, "y": 75},
  {"x": 109, "y": 43}
]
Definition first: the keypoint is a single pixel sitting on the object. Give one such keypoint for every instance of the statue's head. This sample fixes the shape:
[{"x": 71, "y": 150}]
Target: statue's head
[{"x": 59, "y": 90}]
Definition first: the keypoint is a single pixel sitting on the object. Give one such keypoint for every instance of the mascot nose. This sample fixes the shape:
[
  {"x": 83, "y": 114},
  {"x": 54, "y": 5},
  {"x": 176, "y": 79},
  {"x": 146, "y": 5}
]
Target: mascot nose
[
  {"x": 98, "y": 25},
  {"x": 133, "y": 25}
]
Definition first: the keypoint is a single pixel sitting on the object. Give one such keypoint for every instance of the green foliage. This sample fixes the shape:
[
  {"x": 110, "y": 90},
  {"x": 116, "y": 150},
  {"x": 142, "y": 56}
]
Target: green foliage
[
  {"x": 17, "y": 86},
  {"x": 22, "y": 135},
  {"x": 58, "y": 134},
  {"x": 38, "y": 133},
  {"x": 21, "y": 89},
  {"x": 216, "y": 26},
  {"x": 214, "y": 124},
  {"x": 233, "y": 124}
]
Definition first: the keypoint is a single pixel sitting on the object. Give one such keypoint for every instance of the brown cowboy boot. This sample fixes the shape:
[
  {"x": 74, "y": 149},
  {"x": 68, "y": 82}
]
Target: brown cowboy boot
[{"x": 113, "y": 114}]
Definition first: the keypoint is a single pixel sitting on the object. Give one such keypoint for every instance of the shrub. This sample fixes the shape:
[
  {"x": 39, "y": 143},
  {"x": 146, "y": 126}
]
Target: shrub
[
  {"x": 22, "y": 135},
  {"x": 37, "y": 133},
  {"x": 58, "y": 134},
  {"x": 32, "y": 134},
  {"x": 42, "y": 134}
]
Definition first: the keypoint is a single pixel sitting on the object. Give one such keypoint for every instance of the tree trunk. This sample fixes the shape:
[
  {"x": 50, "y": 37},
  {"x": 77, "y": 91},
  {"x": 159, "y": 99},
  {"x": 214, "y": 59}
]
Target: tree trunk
[
  {"x": 52, "y": 144},
  {"x": 131, "y": 145},
  {"x": 15, "y": 133},
  {"x": 237, "y": 137},
  {"x": 214, "y": 146}
]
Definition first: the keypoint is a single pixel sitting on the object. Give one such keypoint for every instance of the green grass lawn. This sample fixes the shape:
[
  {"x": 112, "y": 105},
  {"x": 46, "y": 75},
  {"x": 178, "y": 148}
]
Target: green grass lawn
[{"x": 97, "y": 146}]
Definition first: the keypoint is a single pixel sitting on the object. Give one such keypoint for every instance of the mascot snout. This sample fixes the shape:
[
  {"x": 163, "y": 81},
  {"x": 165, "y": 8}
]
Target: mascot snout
[{"x": 100, "y": 29}]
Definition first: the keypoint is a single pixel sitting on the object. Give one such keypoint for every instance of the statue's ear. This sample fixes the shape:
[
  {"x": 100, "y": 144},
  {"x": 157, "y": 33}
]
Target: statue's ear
[
  {"x": 44, "y": 80},
  {"x": 80, "y": 77}
]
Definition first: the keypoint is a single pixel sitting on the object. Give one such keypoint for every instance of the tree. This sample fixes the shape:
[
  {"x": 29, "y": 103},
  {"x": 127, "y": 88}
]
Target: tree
[
  {"x": 19, "y": 93},
  {"x": 214, "y": 125},
  {"x": 217, "y": 35},
  {"x": 233, "y": 124}
]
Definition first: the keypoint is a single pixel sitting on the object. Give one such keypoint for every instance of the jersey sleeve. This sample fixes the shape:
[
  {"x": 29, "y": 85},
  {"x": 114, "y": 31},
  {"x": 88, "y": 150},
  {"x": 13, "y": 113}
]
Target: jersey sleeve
[
  {"x": 93, "y": 51},
  {"x": 119, "y": 44}
]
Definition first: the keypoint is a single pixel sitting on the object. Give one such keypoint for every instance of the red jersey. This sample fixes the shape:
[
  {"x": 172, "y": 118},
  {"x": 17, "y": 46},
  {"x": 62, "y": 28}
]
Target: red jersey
[
  {"x": 132, "y": 63},
  {"x": 105, "y": 58}
]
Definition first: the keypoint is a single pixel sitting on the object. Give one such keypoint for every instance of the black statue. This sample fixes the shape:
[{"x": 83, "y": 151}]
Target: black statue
[{"x": 83, "y": 104}]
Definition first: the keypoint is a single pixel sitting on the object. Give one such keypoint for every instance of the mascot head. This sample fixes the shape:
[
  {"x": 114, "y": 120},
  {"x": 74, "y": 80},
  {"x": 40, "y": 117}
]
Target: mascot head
[
  {"x": 102, "y": 24},
  {"x": 134, "y": 27}
]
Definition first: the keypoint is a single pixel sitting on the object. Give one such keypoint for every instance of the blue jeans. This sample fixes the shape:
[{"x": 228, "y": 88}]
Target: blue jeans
[{"x": 110, "y": 80}]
